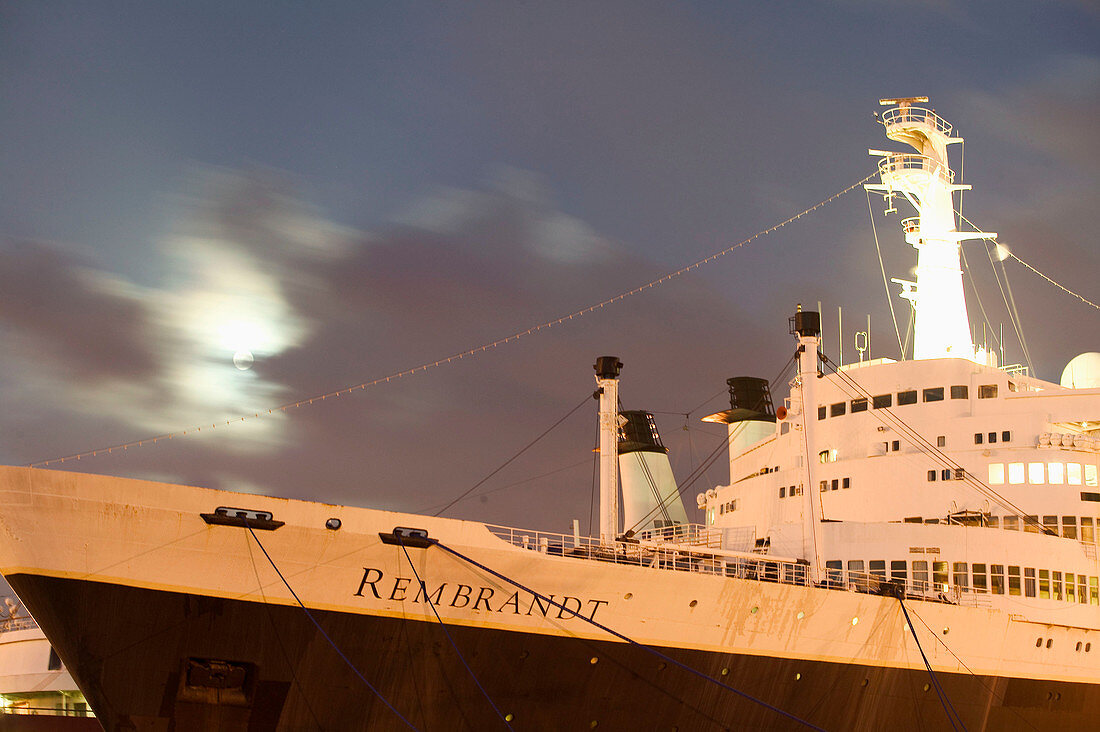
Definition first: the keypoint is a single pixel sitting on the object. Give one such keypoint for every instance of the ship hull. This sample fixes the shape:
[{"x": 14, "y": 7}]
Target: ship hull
[{"x": 133, "y": 652}]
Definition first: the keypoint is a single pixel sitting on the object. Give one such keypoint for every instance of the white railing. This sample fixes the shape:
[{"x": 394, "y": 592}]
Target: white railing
[
  {"x": 918, "y": 115},
  {"x": 902, "y": 162},
  {"x": 911, "y": 225}
]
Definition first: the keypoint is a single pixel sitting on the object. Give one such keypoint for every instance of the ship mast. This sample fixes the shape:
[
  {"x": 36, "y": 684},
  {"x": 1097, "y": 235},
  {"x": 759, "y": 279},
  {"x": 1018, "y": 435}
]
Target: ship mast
[
  {"x": 607, "y": 388},
  {"x": 941, "y": 326}
]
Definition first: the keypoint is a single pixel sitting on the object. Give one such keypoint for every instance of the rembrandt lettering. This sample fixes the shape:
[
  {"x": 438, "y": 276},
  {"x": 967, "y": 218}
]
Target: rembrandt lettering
[{"x": 374, "y": 583}]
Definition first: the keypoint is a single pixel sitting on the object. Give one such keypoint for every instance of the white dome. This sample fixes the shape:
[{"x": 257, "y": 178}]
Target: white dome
[{"x": 1083, "y": 372}]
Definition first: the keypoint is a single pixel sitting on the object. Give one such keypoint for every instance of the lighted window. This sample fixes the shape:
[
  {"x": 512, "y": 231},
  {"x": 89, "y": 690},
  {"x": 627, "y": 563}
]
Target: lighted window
[
  {"x": 1056, "y": 585},
  {"x": 1087, "y": 534},
  {"x": 1014, "y": 580},
  {"x": 1094, "y": 591},
  {"x": 987, "y": 391},
  {"x": 1073, "y": 473},
  {"x": 934, "y": 394},
  {"x": 939, "y": 576},
  {"x": 1056, "y": 473},
  {"x": 1071, "y": 588},
  {"x": 1082, "y": 584},
  {"x": 1035, "y": 473},
  {"x": 997, "y": 579},
  {"x": 1090, "y": 475},
  {"x": 981, "y": 583},
  {"x": 996, "y": 473},
  {"x": 1032, "y": 525},
  {"x": 1069, "y": 527},
  {"x": 1015, "y": 473},
  {"x": 1044, "y": 584},
  {"x": 959, "y": 392},
  {"x": 907, "y": 397}
]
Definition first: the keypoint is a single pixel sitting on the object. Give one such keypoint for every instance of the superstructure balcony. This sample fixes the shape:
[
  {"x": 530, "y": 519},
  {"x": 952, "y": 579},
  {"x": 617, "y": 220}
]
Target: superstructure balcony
[
  {"x": 904, "y": 119},
  {"x": 912, "y": 172}
]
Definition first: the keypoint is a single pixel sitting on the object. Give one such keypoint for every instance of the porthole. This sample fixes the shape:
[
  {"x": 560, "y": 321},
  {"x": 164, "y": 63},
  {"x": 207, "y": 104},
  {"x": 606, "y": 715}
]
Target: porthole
[
  {"x": 753, "y": 610},
  {"x": 946, "y": 630},
  {"x": 693, "y": 603},
  {"x": 798, "y": 677},
  {"x": 800, "y": 615},
  {"x": 1050, "y": 642},
  {"x": 593, "y": 724},
  {"x": 524, "y": 654},
  {"x": 1088, "y": 647},
  {"x": 593, "y": 660},
  {"x": 865, "y": 682},
  {"x": 508, "y": 717},
  {"x": 725, "y": 672},
  {"x": 1038, "y": 642},
  {"x": 628, "y": 595},
  {"x": 662, "y": 666},
  {"x": 1078, "y": 648},
  {"x": 927, "y": 687},
  {"x": 855, "y": 621}
]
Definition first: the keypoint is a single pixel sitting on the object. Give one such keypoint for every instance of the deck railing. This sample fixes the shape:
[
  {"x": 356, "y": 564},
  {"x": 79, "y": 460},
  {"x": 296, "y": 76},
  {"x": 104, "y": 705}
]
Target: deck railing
[{"x": 919, "y": 115}]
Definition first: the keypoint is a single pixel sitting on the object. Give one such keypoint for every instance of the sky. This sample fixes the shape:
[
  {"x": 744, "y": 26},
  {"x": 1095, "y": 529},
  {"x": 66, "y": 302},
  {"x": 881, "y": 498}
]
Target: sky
[{"x": 338, "y": 192}]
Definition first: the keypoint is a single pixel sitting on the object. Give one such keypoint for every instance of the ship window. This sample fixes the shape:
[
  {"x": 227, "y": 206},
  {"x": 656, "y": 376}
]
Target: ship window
[
  {"x": 855, "y": 570},
  {"x": 1006, "y": 436},
  {"x": 827, "y": 456},
  {"x": 1073, "y": 473},
  {"x": 1094, "y": 593},
  {"x": 959, "y": 392},
  {"x": 838, "y": 409},
  {"x": 846, "y": 483},
  {"x": 939, "y": 576},
  {"x": 987, "y": 391},
  {"x": 997, "y": 579},
  {"x": 895, "y": 445},
  {"x": 1031, "y": 524},
  {"x": 859, "y": 405},
  {"x": 835, "y": 485},
  {"x": 913, "y": 520},
  {"x": 941, "y": 441},
  {"x": 834, "y": 572},
  {"x": 907, "y": 397},
  {"x": 934, "y": 394},
  {"x": 1086, "y": 530},
  {"x": 1056, "y": 585},
  {"x": 1035, "y": 473},
  {"x": 994, "y": 522},
  {"x": 824, "y": 486},
  {"x": 1082, "y": 581},
  {"x": 784, "y": 428},
  {"x": 1069, "y": 527},
  {"x": 960, "y": 473},
  {"x": 821, "y": 412},
  {"x": 992, "y": 437},
  {"x": 782, "y": 491},
  {"x": 878, "y": 568},
  {"x": 54, "y": 662},
  {"x": 1044, "y": 584},
  {"x": 1029, "y": 582},
  {"x": 931, "y": 476},
  {"x": 1015, "y": 473},
  {"x": 1090, "y": 475},
  {"x": 920, "y": 575},
  {"x": 996, "y": 473},
  {"x": 897, "y": 570},
  {"x": 958, "y": 569},
  {"x": 1050, "y": 525},
  {"x": 1056, "y": 473},
  {"x": 979, "y": 438},
  {"x": 945, "y": 474},
  {"x": 882, "y": 401},
  {"x": 1014, "y": 580},
  {"x": 1071, "y": 589},
  {"x": 1012, "y": 523},
  {"x": 1086, "y": 496},
  {"x": 981, "y": 584}
]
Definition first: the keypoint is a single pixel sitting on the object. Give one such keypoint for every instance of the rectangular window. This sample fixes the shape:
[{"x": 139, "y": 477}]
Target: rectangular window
[
  {"x": 838, "y": 409},
  {"x": 981, "y": 584},
  {"x": 987, "y": 391},
  {"x": 836, "y": 484},
  {"x": 920, "y": 575},
  {"x": 1029, "y": 582},
  {"x": 1050, "y": 525},
  {"x": 895, "y": 445},
  {"x": 994, "y": 522},
  {"x": 855, "y": 570},
  {"x": 824, "y": 486},
  {"x": 960, "y": 577},
  {"x": 1087, "y": 534},
  {"x": 934, "y": 394},
  {"x": 996, "y": 473},
  {"x": 979, "y": 438},
  {"x": 907, "y": 397},
  {"x": 931, "y": 476},
  {"x": 1071, "y": 588},
  {"x": 897, "y": 570},
  {"x": 834, "y": 572},
  {"x": 1044, "y": 584},
  {"x": 1056, "y": 585},
  {"x": 959, "y": 391},
  {"x": 1012, "y": 523},
  {"x": 1082, "y": 588},
  {"x": 782, "y": 491},
  {"x": 1035, "y": 473},
  {"x": 941, "y": 441},
  {"x": 1056, "y": 473},
  {"x": 821, "y": 412},
  {"x": 846, "y": 483},
  {"x": 939, "y": 576},
  {"x": 945, "y": 474},
  {"x": 992, "y": 437},
  {"x": 877, "y": 568},
  {"x": 1090, "y": 475},
  {"x": 1006, "y": 436},
  {"x": 1094, "y": 591},
  {"x": 1031, "y": 524},
  {"x": 997, "y": 579},
  {"x": 1015, "y": 473},
  {"x": 1073, "y": 473},
  {"x": 1014, "y": 580},
  {"x": 882, "y": 401},
  {"x": 1069, "y": 527},
  {"x": 859, "y": 405}
]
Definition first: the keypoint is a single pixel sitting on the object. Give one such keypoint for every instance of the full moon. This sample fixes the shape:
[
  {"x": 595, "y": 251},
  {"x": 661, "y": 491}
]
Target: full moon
[{"x": 243, "y": 360}]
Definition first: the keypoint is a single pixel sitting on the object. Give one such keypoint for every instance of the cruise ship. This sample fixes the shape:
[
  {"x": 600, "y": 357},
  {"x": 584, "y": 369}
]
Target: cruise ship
[{"x": 902, "y": 544}]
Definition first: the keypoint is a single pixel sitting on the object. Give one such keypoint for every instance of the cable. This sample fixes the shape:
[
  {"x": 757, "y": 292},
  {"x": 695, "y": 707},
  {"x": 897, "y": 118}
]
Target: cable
[
  {"x": 952, "y": 715},
  {"x": 323, "y": 633},
  {"x": 509, "y": 460},
  {"x": 308, "y": 401},
  {"x": 624, "y": 638},
  {"x": 882, "y": 268},
  {"x": 447, "y": 633}
]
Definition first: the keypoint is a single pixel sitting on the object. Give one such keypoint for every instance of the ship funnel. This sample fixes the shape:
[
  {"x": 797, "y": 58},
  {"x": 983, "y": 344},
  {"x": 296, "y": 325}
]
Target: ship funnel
[{"x": 651, "y": 498}]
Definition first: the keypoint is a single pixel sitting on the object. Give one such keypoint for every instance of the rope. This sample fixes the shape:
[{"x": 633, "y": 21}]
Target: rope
[
  {"x": 952, "y": 715},
  {"x": 882, "y": 268},
  {"x": 447, "y": 633},
  {"x": 323, "y": 633},
  {"x": 458, "y": 356},
  {"x": 624, "y": 638}
]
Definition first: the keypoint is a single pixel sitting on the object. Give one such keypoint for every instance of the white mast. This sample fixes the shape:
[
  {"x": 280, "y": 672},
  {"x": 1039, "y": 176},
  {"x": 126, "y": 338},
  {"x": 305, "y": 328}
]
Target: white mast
[
  {"x": 941, "y": 326},
  {"x": 806, "y": 326},
  {"x": 607, "y": 383}
]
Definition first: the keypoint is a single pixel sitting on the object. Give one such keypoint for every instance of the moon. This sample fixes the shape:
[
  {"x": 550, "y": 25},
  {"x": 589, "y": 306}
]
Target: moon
[{"x": 243, "y": 360}]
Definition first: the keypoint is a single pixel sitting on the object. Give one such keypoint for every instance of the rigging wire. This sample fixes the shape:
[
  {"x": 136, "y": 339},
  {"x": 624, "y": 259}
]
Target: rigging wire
[
  {"x": 323, "y": 633},
  {"x": 948, "y": 707},
  {"x": 503, "y": 465},
  {"x": 308, "y": 401},
  {"x": 882, "y": 268},
  {"x": 625, "y": 638},
  {"x": 428, "y": 599}
]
